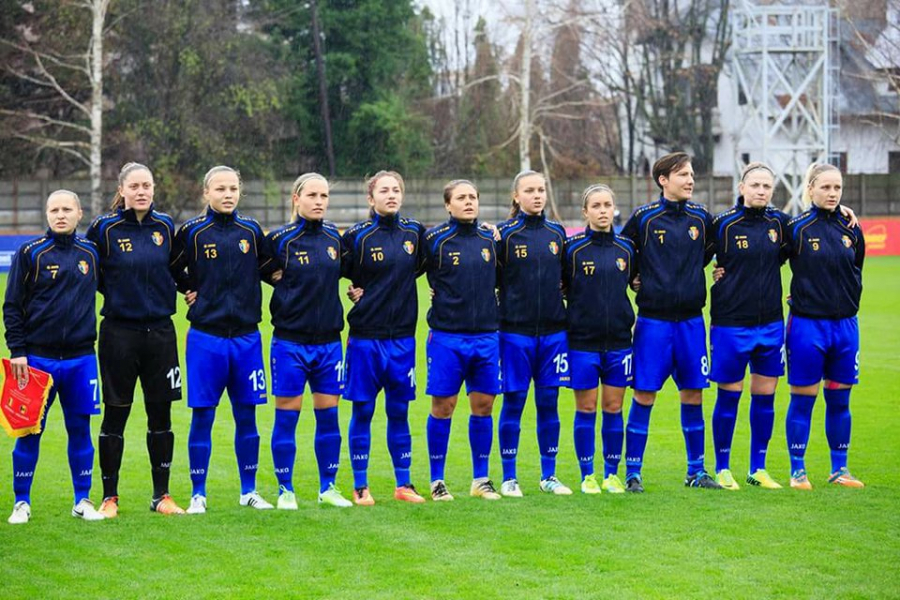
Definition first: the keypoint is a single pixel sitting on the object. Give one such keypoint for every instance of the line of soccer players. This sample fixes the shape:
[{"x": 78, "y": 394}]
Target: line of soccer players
[{"x": 510, "y": 304}]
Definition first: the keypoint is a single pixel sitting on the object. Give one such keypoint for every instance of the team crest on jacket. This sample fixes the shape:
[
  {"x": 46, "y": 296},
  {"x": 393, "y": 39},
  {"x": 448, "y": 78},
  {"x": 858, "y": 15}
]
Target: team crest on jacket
[
  {"x": 694, "y": 232},
  {"x": 486, "y": 254},
  {"x": 83, "y": 267},
  {"x": 157, "y": 238},
  {"x": 409, "y": 247},
  {"x": 332, "y": 253},
  {"x": 620, "y": 263},
  {"x": 846, "y": 241},
  {"x": 554, "y": 248},
  {"x": 244, "y": 245},
  {"x": 773, "y": 236}
]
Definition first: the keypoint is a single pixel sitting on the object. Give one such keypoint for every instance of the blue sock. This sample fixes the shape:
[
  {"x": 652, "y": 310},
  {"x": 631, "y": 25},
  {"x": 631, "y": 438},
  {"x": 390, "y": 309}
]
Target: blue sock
[
  {"x": 636, "y": 437},
  {"x": 200, "y": 447},
  {"x": 612, "y": 430},
  {"x": 438, "y": 433},
  {"x": 545, "y": 401},
  {"x": 508, "y": 431},
  {"x": 328, "y": 445},
  {"x": 837, "y": 425},
  {"x": 399, "y": 441},
  {"x": 246, "y": 444},
  {"x": 797, "y": 424},
  {"x": 360, "y": 441},
  {"x": 24, "y": 459},
  {"x": 481, "y": 436},
  {"x": 284, "y": 446},
  {"x": 723, "y": 422},
  {"x": 585, "y": 437},
  {"x": 693, "y": 428},
  {"x": 81, "y": 453},
  {"x": 762, "y": 420}
]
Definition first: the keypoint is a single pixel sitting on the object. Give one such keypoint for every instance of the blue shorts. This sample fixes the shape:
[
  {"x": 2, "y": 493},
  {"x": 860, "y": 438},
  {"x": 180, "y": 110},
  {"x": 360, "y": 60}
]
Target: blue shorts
[
  {"x": 373, "y": 365},
  {"x": 732, "y": 348},
  {"x": 612, "y": 368},
  {"x": 293, "y": 364},
  {"x": 820, "y": 349},
  {"x": 457, "y": 357},
  {"x": 75, "y": 380},
  {"x": 670, "y": 348},
  {"x": 526, "y": 357},
  {"x": 215, "y": 364}
]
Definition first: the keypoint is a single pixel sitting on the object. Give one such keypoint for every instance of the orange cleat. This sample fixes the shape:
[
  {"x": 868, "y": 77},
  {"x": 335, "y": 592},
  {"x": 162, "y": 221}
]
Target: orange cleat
[
  {"x": 362, "y": 497},
  {"x": 843, "y": 477},
  {"x": 109, "y": 508},
  {"x": 407, "y": 493},
  {"x": 799, "y": 480},
  {"x": 166, "y": 506}
]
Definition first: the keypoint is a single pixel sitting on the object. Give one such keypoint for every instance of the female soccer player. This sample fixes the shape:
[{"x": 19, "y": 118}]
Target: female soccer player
[
  {"x": 383, "y": 257},
  {"x": 532, "y": 328},
  {"x": 826, "y": 255},
  {"x": 49, "y": 315},
  {"x": 463, "y": 343},
  {"x": 308, "y": 318},
  {"x": 137, "y": 337},
  {"x": 673, "y": 241},
  {"x": 599, "y": 267},
  {"x": 224, "y": 255}
]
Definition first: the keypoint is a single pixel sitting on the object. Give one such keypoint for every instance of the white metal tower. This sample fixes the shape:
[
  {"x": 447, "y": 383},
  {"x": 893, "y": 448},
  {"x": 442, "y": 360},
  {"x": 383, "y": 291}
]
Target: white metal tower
[{"x": 785, "y": 66}]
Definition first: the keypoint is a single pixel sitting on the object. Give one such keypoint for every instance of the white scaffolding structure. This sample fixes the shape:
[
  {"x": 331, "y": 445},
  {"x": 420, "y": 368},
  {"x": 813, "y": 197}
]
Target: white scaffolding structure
[{"x": 785, "y": 66}]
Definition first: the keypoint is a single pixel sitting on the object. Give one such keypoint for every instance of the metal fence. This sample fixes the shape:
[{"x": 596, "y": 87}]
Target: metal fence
[{"x": 21, "y": 201}]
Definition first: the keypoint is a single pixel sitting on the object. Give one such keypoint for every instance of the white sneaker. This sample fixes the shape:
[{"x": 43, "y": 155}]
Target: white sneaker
[
  {"x": 287, "y": 500},
  {"x": 332, "y": 497},
  {"x": 20, "y": 514},
  {"x": 85, "y": 510},
  {"x": 552, "y": 485},
  {"x": 510, "y": 488},
  {"x": 198, "y": 505},
  {"x": 254, "y": 500}
]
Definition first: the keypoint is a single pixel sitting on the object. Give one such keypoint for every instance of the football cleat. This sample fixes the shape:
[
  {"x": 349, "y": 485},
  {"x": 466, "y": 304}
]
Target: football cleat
[
  {"x": 254, "y": 500},
  {"x": 484, "y": 488},
  {"x": 287, "y": 499},
  {"x": 510, "y": 488},
  {"x": 332, "y": 497},
  {"x": 552, "y": 485},
  {"x": 85, "y": 510},
  {"x": 634, "y": 484},
  {"x": 164, "y": 506},
  {"x": 843, "y": 477},
  {"x": 21, "y": 513},
  {"x": 439, "y": 491},
  {"x": 589, "y": 485},
  {"x": 408, "y": 493},
  {"x": 799, "y": 480},
  {"x": 725, "y": 479},
  {"x": 362, "y": 497},
  {"x": 701, "y": 479},
  {"x": 109, "y": 508},
  {"x": 762, "y": 479},
  {"x": 198, "y": 505},
  {"x": 613, "y": 485}
]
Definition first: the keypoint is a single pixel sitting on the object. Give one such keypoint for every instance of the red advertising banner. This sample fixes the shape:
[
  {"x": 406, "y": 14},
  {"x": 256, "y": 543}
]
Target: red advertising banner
[{"x": 882, "y": 236}]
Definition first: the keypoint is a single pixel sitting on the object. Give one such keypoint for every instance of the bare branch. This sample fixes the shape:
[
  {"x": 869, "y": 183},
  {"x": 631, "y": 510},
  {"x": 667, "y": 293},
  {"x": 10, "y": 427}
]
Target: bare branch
[
  {"x": 57, "y": 60},
  {"x": 45, "y": 119}
]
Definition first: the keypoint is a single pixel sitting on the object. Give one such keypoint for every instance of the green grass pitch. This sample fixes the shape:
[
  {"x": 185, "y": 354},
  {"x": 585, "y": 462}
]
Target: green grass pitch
[{"x": 669, "y": 542}]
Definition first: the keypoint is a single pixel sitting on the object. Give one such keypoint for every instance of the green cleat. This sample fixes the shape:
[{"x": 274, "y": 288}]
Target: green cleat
[
  {"x": 332, "y": 497},
  {"x": 613, "y": 485},
  {"x": 726, "y": 480},
  {"x": 590, "y": 485},
  {"x": 287, "y": 499},
  {"x": 762, "y": 479}
]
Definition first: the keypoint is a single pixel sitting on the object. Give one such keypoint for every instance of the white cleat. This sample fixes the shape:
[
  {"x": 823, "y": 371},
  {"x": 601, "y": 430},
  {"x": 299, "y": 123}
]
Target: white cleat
[
  {"x": 20, "y": 514},
  {"x": 510, "y": 488},
  {"x": 552, "y": 485},
  {"x": 198, "y": 505},
  {"x": 254, "y": 500},
  {"x": 85, "y": 510},
  {"x": 287, "y": 500}
]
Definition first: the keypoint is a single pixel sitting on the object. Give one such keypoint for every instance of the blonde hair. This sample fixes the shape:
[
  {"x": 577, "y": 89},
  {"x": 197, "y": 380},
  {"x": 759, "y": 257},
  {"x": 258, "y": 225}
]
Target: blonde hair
[
  {"x": 69, "y": 193},
  {"x": 756, "y": 166},
  {"x": 127, "y": 169},
  {"x": 221, "y": 169},
  {"x": 812, "y": 173},
  {"x": 303, "y": 179},
  {"x": 514, "y": 208},
  {"x": 593, "y": 189}
]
